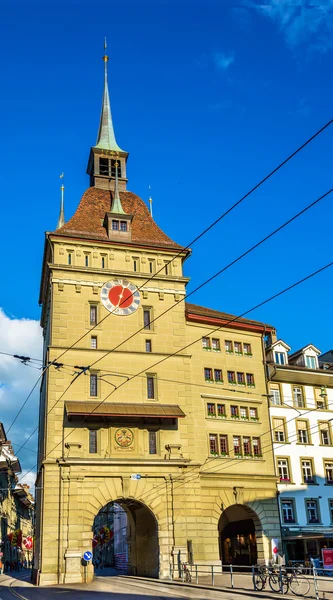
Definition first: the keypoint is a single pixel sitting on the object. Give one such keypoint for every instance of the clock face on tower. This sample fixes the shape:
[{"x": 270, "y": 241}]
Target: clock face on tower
[{"x": 120, "y": 297}]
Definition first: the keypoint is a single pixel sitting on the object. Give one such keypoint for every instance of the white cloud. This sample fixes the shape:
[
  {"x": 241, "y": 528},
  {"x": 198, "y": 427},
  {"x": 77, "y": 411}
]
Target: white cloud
[
  {"x": 22, "y": 337},
  {"x": 223, "y": 60},
  {"x": 300, "y": 21}
]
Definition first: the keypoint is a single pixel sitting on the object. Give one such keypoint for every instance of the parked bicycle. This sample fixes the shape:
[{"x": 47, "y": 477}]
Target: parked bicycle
[
  {"x": 186, "y": 573},
  {"x": 281, "y": 580}
]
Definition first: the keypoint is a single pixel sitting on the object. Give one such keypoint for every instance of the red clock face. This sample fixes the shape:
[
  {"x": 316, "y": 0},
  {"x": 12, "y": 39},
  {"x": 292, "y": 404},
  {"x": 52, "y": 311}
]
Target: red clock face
[{"x": 120, "y": 297}]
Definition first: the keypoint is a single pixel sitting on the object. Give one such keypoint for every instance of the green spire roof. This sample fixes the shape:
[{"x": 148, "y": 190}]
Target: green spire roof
[
  {"x": 116, "y": 206},
  {"x": 106, "y": 138}
]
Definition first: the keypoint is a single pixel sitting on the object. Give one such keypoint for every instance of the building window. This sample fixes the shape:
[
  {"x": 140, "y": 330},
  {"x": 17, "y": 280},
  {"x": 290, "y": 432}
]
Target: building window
[
  {"x": 228, "y": 346},
  {"x": 328, "y": 472},
  {"x": 238, "y": 348},
  {"x": 93, "y": 342},
  {"x": 325, "y": 434},
  {"x": 206, "y": 343},
  {"x": 152, "y": 441},
  {"x": 151, "y": 266},
  {"x": 312, "y": 511},
  {"x": 166, "y": 267},
  {"x": 93, "y": 384},
  {"x": 224, "y": 444},
  {"x": 247, "y": 349},
  {"x": 253, "y": 414},
  {"x": 288, "y": 512},
  {"x": 275, "y": 397},
  {"x": 148, "y": 346},
  {"x": 234, "y": 412},
  {"x": 310, "y": 362},
  {"x": 247, "y": 446},
  {"x": 307, "y": 471},
  {"x": 147, "y": 314},
  {"x": 280, "y": 358},
  {"x": 208, "y": 374},
  {"x": 302, "y": 432},
  {"x": 216, "y": 345},
  {"x": 279, "y": 433},
  {"x": 69, "y": 258},
  {"x": 93, "y": 314},
  {"x": 298, "y": 397},
  {"x": 330, "y": 505},
  {"x": 320, "y": 398},
  {"x": 231, "y": 376},
  {"x": 115, "y": 225},
  {"x": 135, "y": 264},
  {"x": 283, "y": 469},
  {"x": 256, "y": 446},
  {"x": 211, "y": 410},
  {"x": 218, "y": 375},
  {"x": 221, "y": 410},
  {"x": 240, "y": 378},
  {"x": 213, "y": 449},
  {"x": 86, "y": 260},
  {"x": 104, "y": 166},
  {"x": 237, "y": 445},
  {"x": 92, "y": 441},
  {"x": 250, "y": 379},
  {"x": 103, "y": 262},
  {"x": 151, "y": 387},
  {"x": 123, "y": 225},
  {"x": 243, "y": 412}
]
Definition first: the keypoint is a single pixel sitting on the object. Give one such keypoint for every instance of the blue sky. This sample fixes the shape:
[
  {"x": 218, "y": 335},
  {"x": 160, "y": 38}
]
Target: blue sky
[{"x": 207, "y": 98}]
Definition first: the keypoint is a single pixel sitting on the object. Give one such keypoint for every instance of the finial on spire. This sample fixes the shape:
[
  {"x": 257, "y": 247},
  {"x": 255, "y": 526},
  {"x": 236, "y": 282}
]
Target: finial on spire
[
  {"x": 150, "y": 200},
  {"x": 116, "y": 206},
  {"x": 106, "y": 139},
  {"x": 61, "y": 220}
]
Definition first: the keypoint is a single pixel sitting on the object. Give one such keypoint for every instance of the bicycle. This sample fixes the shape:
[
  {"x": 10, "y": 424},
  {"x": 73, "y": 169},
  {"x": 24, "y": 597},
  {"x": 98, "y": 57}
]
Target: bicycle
[
  {"x": 281, "y": 581},
  {"x": 186, "y": 573}
]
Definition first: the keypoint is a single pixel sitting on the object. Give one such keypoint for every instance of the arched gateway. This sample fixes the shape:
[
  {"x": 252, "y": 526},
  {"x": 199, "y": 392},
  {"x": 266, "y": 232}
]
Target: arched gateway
[
  {"x": 239, "y": 528},
  {"x": 125, "y": 537}
]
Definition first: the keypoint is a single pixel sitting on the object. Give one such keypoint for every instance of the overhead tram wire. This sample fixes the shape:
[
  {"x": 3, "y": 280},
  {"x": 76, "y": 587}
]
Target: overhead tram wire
[
  {"x": 228, "y": 211},
  {"x": 277, "y": 295},
  {"x": 196, "y": 289}
]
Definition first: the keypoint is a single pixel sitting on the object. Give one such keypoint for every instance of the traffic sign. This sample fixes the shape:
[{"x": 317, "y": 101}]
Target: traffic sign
[
  {"x": 87, "y": 555},
  {"x": 136, "y": 476}
]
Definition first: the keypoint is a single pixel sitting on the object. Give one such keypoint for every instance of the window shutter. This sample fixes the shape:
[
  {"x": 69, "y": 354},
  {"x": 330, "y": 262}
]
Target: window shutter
[
  {"x": 278, "y": 424},
  {"x": 323, "y": 426},
  {"x": 301, "y": 425}
]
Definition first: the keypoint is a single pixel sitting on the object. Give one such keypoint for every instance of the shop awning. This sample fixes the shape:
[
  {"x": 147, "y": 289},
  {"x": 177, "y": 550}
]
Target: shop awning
[{"x": 122, "y": 409}]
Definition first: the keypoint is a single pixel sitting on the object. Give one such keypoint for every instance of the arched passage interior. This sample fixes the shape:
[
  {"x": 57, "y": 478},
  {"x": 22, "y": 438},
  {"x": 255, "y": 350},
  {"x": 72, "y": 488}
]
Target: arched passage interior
[
  {"x": 125, "y": 537},
  {"x": 239, "y": 528}
]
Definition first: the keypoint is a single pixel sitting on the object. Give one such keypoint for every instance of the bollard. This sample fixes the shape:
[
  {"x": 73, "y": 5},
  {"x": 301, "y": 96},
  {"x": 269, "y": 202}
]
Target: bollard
[
  {"x": 196, "y": 574},
  {"x": 212, "y": 567},
  {"x": 315, "y": 582},
  {"x": 183, "y": 573},
  {"x": 253, "y": 579},
  {"x": 231, "y": 577}
]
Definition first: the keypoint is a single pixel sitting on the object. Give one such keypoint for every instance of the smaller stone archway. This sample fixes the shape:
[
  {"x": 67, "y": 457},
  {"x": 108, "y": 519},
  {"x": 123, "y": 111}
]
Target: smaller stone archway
[
  {"x": 239, "y": 528},
  {"x": 137, "y": 536}
]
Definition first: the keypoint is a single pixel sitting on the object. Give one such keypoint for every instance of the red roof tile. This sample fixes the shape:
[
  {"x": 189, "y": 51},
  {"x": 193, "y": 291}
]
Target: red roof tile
[
  {"x": 87, "y": 221},
  {"x": 202, "y": 311}
]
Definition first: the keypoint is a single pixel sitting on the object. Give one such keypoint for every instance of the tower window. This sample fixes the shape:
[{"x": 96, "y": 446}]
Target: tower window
[
  {"x": 104, "y": 166},
  {"x": 166, "y": 267},
  {"x": 151, "y": 266},
  {"x": 93, "y": 384},
  {"x": 152, "y": 435},
  {"x": 93, "y": 342},
  {"x": 135, "y": 264},
  {"x": 93, "y": 441},
  {"x": 147, "y": 318},
  {"x": 123, "y": 225},
  {"x": 93, "y": 314},
  {"x": 108, "y": 167},
  {"x": 148, "y": 346},
  {"x": 113, "y": 167},
  {"x": 86, "y": 260},
  {"x": 69, "y": 258},
  {"x": 151, "y": 387},
  {"x": 103, "y": 262},
  {"x": 115, "y": 225}
]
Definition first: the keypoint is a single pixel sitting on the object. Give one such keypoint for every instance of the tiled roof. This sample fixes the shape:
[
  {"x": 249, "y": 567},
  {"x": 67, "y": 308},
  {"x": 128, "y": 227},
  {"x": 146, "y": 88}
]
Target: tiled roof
[
  {"x": 216, "y": 314},
  {"x": 87, "y": 221}
]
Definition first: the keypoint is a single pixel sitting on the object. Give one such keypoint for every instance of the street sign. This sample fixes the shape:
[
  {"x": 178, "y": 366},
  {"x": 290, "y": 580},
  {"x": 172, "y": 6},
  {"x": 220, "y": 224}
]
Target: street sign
[
  {"x": 87, "y": 555},
  {"x": 136, "y": 476}
]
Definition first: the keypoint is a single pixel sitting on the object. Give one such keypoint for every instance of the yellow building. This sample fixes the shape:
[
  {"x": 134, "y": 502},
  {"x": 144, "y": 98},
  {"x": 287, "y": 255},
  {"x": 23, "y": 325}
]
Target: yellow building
[{"x": 164, "y": 415}]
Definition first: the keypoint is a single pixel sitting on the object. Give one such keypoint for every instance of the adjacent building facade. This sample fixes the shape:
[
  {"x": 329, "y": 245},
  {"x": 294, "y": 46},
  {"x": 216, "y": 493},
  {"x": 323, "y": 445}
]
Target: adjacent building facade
[
  {"x": 301, "y": 409},
  {"x": 166, "y": 414}
]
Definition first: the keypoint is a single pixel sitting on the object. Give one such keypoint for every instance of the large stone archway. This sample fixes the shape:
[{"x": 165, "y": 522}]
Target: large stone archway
[
  {"x": 239, "y": 529},
  {"x": 140, "y": 536}
]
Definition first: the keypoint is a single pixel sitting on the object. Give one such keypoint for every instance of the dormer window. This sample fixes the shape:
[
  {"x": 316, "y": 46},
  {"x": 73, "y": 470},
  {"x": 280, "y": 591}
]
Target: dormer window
[
  {"x": 280, "y": 358},
  {"x": 107, "y": 167},
  {"x": 115, "y": 225},
  {"x": 311, "y": 362},
  {"x": 123, "y": 225}
]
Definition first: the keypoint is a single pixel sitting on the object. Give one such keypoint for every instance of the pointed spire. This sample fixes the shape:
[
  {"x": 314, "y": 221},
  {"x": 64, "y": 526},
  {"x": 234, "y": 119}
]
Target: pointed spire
[
  {"x": 116, "y": 206},
  {"x": 106, "y": 138},
  {"x": 61, "y": 220}
]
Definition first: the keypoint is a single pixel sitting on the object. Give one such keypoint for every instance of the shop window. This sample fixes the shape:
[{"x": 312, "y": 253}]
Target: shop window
[
  {"x": 288, "y": 511},
  {"x": 283, "y": 470},
  {"x": 279, "y": 432},
  {"x": 312, "y": 511}
]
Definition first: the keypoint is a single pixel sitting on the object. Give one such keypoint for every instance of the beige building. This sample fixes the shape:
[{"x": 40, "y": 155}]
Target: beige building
[{"x": 166, "y": 414}]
